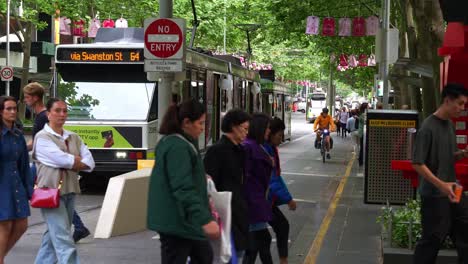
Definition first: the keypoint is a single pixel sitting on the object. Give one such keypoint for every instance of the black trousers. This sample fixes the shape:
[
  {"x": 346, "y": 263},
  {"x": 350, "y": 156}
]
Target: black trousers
[
  {"x": 343, "y": 129},
  {"x": 259, "y": 243},
  {"x": 176, "y": 250},
  {"x": 280, "y": 225},
  {"x": 439, "y": 218}
]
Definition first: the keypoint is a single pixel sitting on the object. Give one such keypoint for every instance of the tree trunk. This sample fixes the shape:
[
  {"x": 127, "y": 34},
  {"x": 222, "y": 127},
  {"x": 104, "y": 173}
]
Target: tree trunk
[
  {"x": 423, "y": 11},
  {"x": 414, "y": 91}
]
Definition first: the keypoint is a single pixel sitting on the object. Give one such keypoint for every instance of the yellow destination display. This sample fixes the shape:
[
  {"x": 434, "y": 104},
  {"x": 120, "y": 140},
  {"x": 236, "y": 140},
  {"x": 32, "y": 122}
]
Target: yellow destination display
[
  {"x": 99, "y": 55},
  {"x": 392, "y": 123}
]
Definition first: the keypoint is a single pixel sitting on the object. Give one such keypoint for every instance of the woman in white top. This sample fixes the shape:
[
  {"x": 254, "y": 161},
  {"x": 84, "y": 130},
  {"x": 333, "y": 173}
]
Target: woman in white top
[
  {"x": 344, "y": 115},
  {"x": 59, "y": 156}
]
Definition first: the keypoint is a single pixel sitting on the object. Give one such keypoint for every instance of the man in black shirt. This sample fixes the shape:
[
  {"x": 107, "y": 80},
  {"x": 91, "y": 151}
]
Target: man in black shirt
[
  {"x": 33, "y": 97},
  {"x": 434, "y": 157}
]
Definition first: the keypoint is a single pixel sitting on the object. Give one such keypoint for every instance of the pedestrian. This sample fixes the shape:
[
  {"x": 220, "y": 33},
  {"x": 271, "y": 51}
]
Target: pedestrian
[
  {"x": 59, "y": 155},
  {"x": 224, "y": 162},
  {"x": 352, "y": 125},
  {"x": 178, "y": 207},
  {"x": 258, "y": 166},
  {"x": 344, "y": 115},
  {"x": 434, "y": 157},
  {"x": 33, "y": 98},
  {"x": 337, "y": 121},
  {"x": 379, "y": 106},
  {"x": 279, "y": 193},
  {"x": 16, "y": 184},
  {"x": 361, "y": 122}
]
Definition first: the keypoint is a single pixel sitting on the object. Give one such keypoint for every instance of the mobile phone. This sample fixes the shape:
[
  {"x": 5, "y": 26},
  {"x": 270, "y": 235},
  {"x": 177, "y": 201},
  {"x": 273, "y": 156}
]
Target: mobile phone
[{"x": 106, "y": 134}]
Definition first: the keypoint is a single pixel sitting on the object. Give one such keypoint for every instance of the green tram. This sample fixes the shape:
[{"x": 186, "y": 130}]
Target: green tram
[
  {"x": 277, "y": 101},
  {"x": 113, "y": 107}
]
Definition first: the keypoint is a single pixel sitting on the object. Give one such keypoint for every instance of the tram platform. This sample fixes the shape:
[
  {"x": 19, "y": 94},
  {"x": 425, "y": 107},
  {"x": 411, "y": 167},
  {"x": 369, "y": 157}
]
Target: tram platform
[{"x": 350, "y": 235}]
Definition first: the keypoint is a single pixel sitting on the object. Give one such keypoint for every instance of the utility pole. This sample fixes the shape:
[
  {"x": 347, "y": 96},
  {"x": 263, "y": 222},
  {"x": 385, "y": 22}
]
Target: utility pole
[
  {"x": 385, "y": 52},
  {"x": 330, "y": 92},
  {"x": 7, "y": 59},
  {"x": 166, "y": 78},
  {"x": 225, "y": 26}
]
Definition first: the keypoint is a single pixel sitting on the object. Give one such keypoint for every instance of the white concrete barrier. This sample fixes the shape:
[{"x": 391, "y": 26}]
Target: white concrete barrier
[{"x": 124, "y": 208}]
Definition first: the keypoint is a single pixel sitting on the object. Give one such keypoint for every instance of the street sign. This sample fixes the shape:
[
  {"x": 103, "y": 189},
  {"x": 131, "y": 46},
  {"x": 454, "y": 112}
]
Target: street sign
[
  {"x": 164, "y": 38},
  {"x": 163, "y": 66},
  {"x": 6, "y": 73}
]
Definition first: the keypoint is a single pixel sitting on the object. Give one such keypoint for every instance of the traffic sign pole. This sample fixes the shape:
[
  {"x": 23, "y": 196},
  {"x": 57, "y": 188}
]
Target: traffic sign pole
[
  {"x": 7, "y": 84},
  {"x": 165, "y": 83}
]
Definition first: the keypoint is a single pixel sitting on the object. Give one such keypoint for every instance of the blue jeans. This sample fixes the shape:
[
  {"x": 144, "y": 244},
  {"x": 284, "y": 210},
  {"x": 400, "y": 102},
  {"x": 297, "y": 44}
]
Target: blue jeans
[{"x": 57, "y": 242}]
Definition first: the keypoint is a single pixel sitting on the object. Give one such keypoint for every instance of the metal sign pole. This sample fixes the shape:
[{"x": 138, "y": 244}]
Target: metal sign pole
[
  {"x": 7, "y": 59},
  {"x": 385, "y": 52},
  {"x": 166, "y": 78}
]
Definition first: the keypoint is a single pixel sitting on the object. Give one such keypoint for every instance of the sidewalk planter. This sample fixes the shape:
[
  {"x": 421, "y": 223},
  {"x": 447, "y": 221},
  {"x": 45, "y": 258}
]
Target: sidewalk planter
[
  {"x": 392, "y": 255},
  {"x": 401, "y": 229}
]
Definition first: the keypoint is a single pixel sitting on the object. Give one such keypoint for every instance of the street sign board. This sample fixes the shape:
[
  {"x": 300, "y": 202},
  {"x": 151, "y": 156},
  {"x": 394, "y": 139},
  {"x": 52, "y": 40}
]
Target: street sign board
[
  {"x": 164, "y": 38},
  {"x": 6, "y": 73},
  {"x": 163, "y": 66}
]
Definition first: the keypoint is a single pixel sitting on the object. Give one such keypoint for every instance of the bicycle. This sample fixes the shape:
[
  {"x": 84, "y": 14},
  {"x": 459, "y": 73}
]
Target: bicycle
[{"x": 322, "y": 144}]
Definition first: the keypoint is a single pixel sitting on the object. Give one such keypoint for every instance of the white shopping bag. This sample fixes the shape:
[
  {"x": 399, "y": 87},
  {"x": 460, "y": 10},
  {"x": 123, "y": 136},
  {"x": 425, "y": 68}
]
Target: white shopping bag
[{"x": 222, "y": 204}]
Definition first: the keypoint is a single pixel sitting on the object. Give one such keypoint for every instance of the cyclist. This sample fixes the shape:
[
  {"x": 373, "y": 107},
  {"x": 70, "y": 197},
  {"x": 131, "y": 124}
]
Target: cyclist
[{"x": 324, "y": 121}]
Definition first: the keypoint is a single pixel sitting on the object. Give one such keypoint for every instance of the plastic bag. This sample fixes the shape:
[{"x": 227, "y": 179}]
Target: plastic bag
[{"x": 222, "y": 211}]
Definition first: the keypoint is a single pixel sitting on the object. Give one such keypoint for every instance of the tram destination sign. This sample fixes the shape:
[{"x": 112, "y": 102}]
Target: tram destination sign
[{"x": 100, "y": 55}]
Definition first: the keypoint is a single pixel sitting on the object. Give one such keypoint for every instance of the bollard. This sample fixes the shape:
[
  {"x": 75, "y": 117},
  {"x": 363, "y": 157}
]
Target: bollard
[{"x": 411, "y": 135}]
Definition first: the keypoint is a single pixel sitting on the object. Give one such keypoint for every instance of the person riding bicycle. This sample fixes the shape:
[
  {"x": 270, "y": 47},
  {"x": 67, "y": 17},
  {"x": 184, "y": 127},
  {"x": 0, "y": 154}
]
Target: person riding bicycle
[{"x": 324, "y": 121}]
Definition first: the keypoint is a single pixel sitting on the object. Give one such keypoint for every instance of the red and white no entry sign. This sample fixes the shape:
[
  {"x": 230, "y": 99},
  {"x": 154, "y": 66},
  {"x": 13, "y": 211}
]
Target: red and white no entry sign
[
  {"x": 6, "y": 73},
  {"x": 164, "y": 38}
]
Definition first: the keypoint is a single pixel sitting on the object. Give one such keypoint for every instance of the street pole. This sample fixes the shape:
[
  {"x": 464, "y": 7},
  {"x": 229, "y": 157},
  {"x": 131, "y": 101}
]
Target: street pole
[
  {"x": 166, "y": 79},
  {"x": 225, "y": 26},
  {"x": 331, "y": 97},
  {"x": 7, "y": 59},
  {"x": 385, "y": 51}
]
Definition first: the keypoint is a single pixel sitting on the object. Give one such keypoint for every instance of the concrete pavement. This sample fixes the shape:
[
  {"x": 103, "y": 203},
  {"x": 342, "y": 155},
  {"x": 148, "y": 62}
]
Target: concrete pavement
[{"x": 351, "y": 237}]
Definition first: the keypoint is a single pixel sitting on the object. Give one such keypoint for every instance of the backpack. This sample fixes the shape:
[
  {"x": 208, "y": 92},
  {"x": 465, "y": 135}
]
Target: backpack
[{"x": 356, "y": 123}]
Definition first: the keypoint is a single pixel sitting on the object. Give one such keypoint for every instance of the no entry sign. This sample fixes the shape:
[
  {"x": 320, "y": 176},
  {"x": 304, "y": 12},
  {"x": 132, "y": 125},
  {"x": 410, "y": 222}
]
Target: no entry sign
[{"x": 164, "y": 38}]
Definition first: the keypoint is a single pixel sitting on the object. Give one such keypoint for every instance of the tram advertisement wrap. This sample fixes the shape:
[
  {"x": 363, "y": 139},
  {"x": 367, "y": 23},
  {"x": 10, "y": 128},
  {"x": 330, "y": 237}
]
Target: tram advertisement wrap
[{"x": 109, "y": 136}]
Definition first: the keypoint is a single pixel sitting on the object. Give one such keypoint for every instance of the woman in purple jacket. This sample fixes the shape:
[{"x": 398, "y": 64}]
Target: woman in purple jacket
[{"x": 258, "y": 166}]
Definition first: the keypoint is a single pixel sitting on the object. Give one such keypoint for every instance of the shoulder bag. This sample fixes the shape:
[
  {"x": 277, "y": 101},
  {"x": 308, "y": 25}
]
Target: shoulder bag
[{"x": 48, "y": 197}]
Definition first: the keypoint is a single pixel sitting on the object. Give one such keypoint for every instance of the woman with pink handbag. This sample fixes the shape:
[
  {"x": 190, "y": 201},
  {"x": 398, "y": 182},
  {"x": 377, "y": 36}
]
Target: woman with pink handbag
[
  {"x": 15, "y": 178},
  {"x": 59, "y": 156}
]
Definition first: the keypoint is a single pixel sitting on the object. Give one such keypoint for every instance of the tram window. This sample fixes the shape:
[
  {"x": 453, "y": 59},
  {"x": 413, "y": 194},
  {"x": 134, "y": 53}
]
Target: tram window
[
  {"x": 279, "y": 103},
  {"x": 224, "y": 100},
  {"x": 287, "y": 104},
  {"x": 108, "y": 100}
]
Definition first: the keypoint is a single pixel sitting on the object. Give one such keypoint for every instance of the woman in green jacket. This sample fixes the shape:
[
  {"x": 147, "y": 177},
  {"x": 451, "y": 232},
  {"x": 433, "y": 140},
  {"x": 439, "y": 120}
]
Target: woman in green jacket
[{"x": 178, "y": 207}]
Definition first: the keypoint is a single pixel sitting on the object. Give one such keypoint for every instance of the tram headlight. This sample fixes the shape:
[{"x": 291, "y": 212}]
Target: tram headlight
[{"x": 121, "y": 155}]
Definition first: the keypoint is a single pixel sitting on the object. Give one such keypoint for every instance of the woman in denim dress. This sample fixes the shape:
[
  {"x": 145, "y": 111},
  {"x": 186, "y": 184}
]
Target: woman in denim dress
[{"x": 16, "y": 182}]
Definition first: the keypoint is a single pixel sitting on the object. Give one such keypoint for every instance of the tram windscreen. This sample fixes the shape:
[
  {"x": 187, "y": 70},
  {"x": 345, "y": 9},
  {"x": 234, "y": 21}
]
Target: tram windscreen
[{"x": 107, "y": 101}]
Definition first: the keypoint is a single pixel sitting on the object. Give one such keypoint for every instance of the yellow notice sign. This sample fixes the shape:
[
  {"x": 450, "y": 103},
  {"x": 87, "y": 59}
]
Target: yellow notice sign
[
  {"x": 392, "y": 123},
  {"x": 143, "y": 164}
]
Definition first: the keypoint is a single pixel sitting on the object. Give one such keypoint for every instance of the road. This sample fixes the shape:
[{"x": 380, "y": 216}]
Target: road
[{"x": 312, "y": 183}]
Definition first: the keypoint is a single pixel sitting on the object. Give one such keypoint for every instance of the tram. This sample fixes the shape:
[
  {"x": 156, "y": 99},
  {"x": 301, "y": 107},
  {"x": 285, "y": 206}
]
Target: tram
[
  {"x": 277, "y": 102},
  {"x": 113, "y": 107}
]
